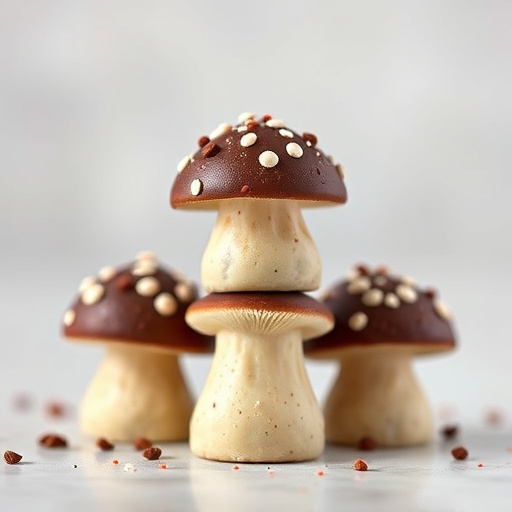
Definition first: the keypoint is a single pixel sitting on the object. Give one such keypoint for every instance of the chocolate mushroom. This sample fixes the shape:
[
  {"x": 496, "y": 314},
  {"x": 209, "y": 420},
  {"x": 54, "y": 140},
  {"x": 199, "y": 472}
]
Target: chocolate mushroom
[
  {"x": 382, "y": 322},
  {"x": 257, "y": 404},
  {"x": 137, "y": 311},
  {"x": 258, "y": 175}
]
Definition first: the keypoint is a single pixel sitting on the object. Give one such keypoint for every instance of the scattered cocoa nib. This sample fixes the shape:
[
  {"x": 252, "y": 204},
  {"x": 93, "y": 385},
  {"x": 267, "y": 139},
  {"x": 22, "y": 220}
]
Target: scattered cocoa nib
[
  {"x": 460, "y": 453},
  {"x": 55, "y": 409},
  {"x": 360, "y": 465},
  {"x": 367, "y": 444},
  {"x": 12, "y": 457},
  {"x": 141, "y": 443},
  {"x": 104, "y": 445},
  {"x": 450, "y": 431},
  {"x": 152, "y": 453},
  {"x": 53, "y": 441}
]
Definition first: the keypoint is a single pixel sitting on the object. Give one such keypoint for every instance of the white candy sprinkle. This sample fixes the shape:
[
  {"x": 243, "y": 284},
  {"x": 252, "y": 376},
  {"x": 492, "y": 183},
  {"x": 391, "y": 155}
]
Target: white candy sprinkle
[
  {"x": 308, "y": 143},
  {"x": 275, "y": 123},
  {"x": 147, "y": 286},
  {"x": 144, "y": 268},
  {"x": 165, "y": 304},
  {"x": 196, "y": 187},
  {"x": 220, "y": 130},
  {"x": 184, "y": 291},
  {"x": 442, "y": 310},
  {"x": 129, "y": 468},
  {"x": 341, "y": 171},
  {"x": 248, "y": 139},
  {"x": 358, "y": 321},
  {"x": 294, "y": 150},
  {"x": 183, "y": 163},
  {"x": 146, "y": 255},
  {"x": 352, "y": 274},
  {"x": 93, "y": 294},
  {"x": 318, "y": 153},
  {"x": 408, "y": 280},
  {"x": 86, "y": 282},
  {"x": 406, "y": 293},
  {"x": 107, "y": 273},
  {"x": 286, "y": 133},
  {"x": 380, "y": 281},
  {"x": 268, "y": 159},
  {"x": 372, "y": 297},
  {"x": 245, "y": 116},
  {"x": 242, "y": 128},
  {"x": 69, "y": 317},
  {"x": 391, "y": 301},
  {"x": 359, "y": 285}
]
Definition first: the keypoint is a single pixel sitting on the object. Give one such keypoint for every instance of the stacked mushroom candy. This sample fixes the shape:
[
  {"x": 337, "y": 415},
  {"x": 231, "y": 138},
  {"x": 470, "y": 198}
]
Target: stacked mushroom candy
[
  {"x": 137, "y": 311},
  {"x": 257, "y": 404},
  {"x": 382, "y": 322}
]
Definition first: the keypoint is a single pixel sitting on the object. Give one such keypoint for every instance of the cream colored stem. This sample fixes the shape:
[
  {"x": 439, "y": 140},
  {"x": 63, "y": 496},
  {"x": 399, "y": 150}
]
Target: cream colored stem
[
  {"x": 378, "y": 396},
  {"x": 257, "y": 404},
  {"x": 260, "y": 245},
  {"x": 137, "y": 392}
]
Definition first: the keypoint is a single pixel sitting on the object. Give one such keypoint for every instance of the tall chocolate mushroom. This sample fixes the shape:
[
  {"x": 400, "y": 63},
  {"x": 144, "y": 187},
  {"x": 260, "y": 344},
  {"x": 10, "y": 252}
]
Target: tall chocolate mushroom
[
  {"x": 257, "y": 404},
  {"x": 382, "y": 322},
  {"x": 137, "y": 311},
  {"x": 258, "y": 175}
]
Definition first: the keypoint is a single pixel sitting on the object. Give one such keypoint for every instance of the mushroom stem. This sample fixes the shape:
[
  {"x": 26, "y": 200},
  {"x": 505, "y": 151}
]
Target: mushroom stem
[
  {"x": 137, "y": 392},
  {"x": 377, "y": 395},
  {"x": 257, "y": 404},
  {"x": 260, "y": 245}
]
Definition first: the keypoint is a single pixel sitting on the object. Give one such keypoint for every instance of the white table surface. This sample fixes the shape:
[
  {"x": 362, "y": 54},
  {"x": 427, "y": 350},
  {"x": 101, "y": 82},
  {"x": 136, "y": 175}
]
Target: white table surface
[{"x": 425, "y": 478}]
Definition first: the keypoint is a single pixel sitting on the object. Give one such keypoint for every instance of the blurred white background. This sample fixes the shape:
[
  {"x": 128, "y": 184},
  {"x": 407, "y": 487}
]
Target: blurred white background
[{"x": 99, "y": 100}]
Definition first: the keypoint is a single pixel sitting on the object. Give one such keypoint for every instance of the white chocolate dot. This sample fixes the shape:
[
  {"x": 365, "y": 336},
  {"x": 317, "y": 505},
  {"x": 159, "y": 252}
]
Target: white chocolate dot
[
  {"x": 86, "y": 282},
  {"x": 184, "y": 291},
  {"x": 144, "y": 268},
  {"x": 165, "y": 304},
  {"x": 380, "y": 281},
  {"x": 268, "y": 159},
  {"x": 129, "y": 468},
  {"x": 107, "y": 273},
  {"x": 147, "y": 286},
  {"x": 352, "y": 274},
  {"x": 308, "y": 143},
  {"x": 406, "y": 293},
  {"x": 69, "y": 317},
  {"x": 248, "y": 139},
  {"x": 242, "y": 128},
  {"x": 358, "y": 321},
  {"x": 294, "y": 150},
  {"x": 196, "y": 187},
  {"x": 245, "y": 116},
  {"x": 286, "y": 133},
  {"x": 341, "y": 171},
  {"x": 275, "y": 123},
  {"x": 93, "y": 294},
  {"x": 372, "y": 297},
  {"x": 408, "y": 280},
  {"x": 221, "y": 130},
  {"x": 359, "y": 285},
  {"x": 183, "y": 163},
  {"x": 442, "y": 310},
  {"x": 391, "y": 301},
  {"x": 146, "y": 255}
]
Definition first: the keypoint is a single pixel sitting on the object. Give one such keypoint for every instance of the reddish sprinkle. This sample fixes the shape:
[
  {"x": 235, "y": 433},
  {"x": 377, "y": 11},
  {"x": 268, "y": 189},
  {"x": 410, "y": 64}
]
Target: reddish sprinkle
[
  {"x": 320, "y": 473},
  {"x": 211, "y": 149},
  {"x": 115, "y": 462},
  {"x": 203, "y": 141},
  {"x": 311, "y": 138},
  {"x": 251, "y": 124},
  {"x": 245, "y": 189},
  {"x": 236, "y": 468},
  {"x": 266, "y": 117},
  {"x": 382, "y": 270},
  {"x": 363, "y": 270},
  {"x": 430, "y": 293},
  {"x": 480, "y": 465},
  {"x": 360, "y": 465},
  {"x": 163, "y": 466}
]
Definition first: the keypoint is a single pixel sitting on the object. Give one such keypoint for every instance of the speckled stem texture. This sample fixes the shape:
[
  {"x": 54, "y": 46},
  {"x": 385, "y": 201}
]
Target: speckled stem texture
[
  {"x": 378, "y": 396},
  {"x": 257, "y": 404},
  {"x": 137, "y": 393},
  {"x": 260, "y": 245}
]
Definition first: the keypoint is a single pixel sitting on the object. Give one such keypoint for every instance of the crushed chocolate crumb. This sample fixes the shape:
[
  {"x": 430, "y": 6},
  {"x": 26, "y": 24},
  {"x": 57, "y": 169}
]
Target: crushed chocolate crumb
[
  {"x": 367, "y": 443},
  {"x": 460, "y": 453},
  {"x": 104, "y": 445},
  {"x": 450, "y": 431},
  {"x": 53, "y": 441},
  {"x": 360, "y": 465},
  {"x": 211, "y": 149},
  {"x": 141, "y": 443},
  {"x": 152, "y": 453},
  {"x": 203, "y": 141}
]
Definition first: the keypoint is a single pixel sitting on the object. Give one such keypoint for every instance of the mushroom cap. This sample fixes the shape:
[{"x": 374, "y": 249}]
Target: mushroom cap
[
  {"x": 269, "y": 313},
  {"x": 374, "y": 308},
  {"x": 257, "y": 159},
  {"x": 140, "y": 303}
]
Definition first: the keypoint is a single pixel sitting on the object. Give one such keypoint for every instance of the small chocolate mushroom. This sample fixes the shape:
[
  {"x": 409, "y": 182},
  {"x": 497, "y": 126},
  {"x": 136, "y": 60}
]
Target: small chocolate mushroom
[
  {"x": 382, "y": 322},
  {"x": 259, "y": 176},
  {"x": 137, "y": 311}
]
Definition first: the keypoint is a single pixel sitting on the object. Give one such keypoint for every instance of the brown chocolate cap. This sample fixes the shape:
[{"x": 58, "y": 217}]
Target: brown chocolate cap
[
  {"x": 138, "y": 303},
  {"x": 260, "y": 159},
  {"x": 269, "y": 313},
  {"x": 376, "y": 308}
]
